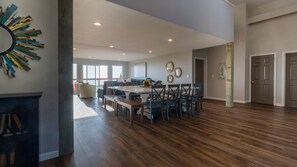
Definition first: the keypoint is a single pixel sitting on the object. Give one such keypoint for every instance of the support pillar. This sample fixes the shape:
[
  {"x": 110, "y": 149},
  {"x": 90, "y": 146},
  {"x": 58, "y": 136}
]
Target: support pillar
[{"x": 229, "y": 74}]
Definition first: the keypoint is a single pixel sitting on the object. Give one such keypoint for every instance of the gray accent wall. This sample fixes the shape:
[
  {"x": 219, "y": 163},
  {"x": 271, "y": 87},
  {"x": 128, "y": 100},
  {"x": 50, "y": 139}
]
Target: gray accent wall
[
  {"x": 276, "y": 35},
  {"x": 44, "y": 74},
  {"x": 80, "y": 62},
  {"x": 156, "y": 67},
  {"x": 216, "y": 87},
  {"x": 240, "y": 54}
]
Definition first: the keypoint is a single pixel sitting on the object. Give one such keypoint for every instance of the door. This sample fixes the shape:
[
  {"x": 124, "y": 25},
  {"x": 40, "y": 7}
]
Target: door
[
  {"x": 262, "y": 79},
  {"x": 291, "y": 80},
  {"x": 199, "y": 73}
]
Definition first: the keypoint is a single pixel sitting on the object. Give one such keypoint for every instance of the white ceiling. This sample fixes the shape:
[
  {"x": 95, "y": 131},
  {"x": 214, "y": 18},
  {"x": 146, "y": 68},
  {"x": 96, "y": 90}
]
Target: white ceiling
[{"x": 130, "y": 32}]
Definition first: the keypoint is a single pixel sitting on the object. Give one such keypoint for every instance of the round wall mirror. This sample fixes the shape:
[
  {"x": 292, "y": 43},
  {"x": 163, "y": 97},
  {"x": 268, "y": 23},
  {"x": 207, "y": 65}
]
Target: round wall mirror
[
  {"x": 178, "y": 72},
  {"x": 170, "y": 78},
  {"x": 169, "y": 66},
  {"x": 7, "y": 40}
]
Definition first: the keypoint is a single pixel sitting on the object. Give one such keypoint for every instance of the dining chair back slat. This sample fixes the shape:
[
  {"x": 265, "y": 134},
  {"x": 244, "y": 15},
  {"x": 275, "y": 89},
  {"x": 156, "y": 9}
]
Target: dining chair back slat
[
  {"x": 156, "y": 100},
  {"x": 184, "y": 100},
  {"x": 172, "y": 98}
]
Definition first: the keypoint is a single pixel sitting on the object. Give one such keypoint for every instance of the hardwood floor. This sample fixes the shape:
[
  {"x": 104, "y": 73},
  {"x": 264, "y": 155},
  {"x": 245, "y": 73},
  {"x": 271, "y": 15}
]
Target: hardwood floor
[{"x": 246, "y": 135}]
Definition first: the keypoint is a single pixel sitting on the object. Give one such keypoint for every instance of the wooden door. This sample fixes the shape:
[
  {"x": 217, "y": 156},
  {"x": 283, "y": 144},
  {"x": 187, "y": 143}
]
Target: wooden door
[
  {"x": 291, "y": 80},
  {"x": 199, "y": 73},
  {"x": 262, "y": 79}
]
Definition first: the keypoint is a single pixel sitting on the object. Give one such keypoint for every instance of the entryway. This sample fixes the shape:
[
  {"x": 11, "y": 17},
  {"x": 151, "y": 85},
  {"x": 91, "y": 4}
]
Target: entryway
[
  {"x": 199, "y": 73},
  {"x": 262, "y": 79},
  {"x": 291, "y": 80}
]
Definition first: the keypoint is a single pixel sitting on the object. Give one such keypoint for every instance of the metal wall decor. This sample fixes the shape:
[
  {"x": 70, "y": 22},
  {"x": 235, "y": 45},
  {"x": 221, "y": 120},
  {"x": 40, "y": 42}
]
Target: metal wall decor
[
  {"x": 170, "y": 78},
  {"x": 178, "y": 72},
  {"x": 169, "y": 66},
  {"x": 22, "y": 47}
]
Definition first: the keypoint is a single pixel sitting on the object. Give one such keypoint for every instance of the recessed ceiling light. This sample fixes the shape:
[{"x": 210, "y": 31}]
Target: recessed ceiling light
[
  {"x": 119, "y": 59},
  {"x": 150, "y": 51},
  {"x": 97, "y": 24},
  {"x": 170, "y": 40},
  {"x": 124, "y": 54},
  {"x": 111, "y": 46},
  {"x": 74, "y": 48},
  {"x": 90, "y": 57}
]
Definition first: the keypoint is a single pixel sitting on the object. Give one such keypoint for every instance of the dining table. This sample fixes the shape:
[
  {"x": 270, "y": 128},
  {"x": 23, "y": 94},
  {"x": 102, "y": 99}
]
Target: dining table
[{"x": 143, "y": 91}]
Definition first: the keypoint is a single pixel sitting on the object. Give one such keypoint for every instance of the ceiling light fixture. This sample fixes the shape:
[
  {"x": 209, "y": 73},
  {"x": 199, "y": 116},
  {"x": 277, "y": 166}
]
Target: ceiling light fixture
[
  {"x": 150, "y": 51},
  {"x": 124, "y": 54},
  {"x": 170, "y": 40},
  {"x": 74, "y": 48},
  {"x": 97, "y": 24},
  {"x": 119, "y": 59},
  {"x": 111, "y": 46}
]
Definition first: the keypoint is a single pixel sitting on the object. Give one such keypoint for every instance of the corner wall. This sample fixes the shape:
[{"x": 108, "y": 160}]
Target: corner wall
[{"x": 44, "y": 74}]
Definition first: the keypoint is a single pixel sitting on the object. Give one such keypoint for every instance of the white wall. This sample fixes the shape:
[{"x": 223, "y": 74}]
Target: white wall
[
  {"x": 44, "y": 74},
  {"x": 156, "y": 67},
  {"x": 213, "y": 17},
  {"x": 274, "y": 36}
]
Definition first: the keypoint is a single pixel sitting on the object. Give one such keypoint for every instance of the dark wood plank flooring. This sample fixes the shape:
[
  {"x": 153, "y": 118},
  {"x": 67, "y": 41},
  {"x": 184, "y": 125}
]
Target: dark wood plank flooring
[{"x": 246, "y": 135}]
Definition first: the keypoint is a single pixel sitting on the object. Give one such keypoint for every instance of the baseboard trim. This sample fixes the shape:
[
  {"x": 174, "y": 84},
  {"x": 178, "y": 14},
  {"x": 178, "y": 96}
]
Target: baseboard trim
[
  {"x": 279, "y": 105},
  {"x": 240, "y": 101},
  {"x": 216, "y": 98},
  {"x": 48, "y": 155},
  {"x": 222, "y": 99}
]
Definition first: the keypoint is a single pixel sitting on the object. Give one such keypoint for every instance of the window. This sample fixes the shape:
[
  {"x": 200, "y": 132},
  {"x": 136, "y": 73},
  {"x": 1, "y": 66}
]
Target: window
[
  {"x": 95, "y": 75},
  {"x": 74, "y": 76},
  {"x": 117, "y": 71}
]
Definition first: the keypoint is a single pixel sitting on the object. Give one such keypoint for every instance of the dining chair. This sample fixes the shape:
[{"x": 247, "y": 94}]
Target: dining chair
[
  {"x": 172, "y": 99},
  {"x": 184, "y": 100},
  {"x": 196, "y": 97},
  {"x": 155, "y": 101}
]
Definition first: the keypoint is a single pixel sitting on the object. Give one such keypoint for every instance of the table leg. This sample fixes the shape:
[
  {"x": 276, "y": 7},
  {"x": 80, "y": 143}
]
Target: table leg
[
  {"x": 142, "y": 110},
  {"x": 131, "y": 115}
]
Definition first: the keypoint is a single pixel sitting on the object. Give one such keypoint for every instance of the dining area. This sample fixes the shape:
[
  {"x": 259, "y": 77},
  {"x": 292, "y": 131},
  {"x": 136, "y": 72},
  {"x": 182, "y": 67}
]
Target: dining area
[{"x": 155, "y": 102}]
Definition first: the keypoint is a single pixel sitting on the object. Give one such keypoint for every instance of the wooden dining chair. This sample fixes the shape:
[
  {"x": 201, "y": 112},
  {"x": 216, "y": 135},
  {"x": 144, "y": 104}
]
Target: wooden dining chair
[
  {"x": 184, "y": 100},
  {"x": 196, "y": 97},
  {"x": 172, "y": 99},
  {"x": 156, "y": 100}
]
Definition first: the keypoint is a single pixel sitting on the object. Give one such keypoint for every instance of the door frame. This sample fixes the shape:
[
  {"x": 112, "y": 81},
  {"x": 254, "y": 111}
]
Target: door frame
[
  {"x": 284, "y": 65},
  {"x": 274, "y": 75},
  {"x": 205, "y": 74}
]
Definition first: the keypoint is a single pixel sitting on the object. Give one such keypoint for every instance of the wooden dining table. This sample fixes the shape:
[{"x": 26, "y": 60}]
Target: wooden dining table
[{"x": 143, "y": 91}]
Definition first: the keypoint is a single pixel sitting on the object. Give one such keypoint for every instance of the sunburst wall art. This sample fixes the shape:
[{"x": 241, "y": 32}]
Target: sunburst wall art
[{"x": 24, "y": 44}]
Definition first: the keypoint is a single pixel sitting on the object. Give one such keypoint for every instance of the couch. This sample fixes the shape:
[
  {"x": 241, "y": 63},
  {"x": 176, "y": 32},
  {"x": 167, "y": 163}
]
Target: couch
[{"x": 85, "y": 90}]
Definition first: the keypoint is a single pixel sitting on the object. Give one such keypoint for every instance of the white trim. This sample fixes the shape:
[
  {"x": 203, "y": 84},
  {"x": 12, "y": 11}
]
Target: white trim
[
  {"x": 229, "y": 3},
  {"x": 279, "y": 105},
  {"x": 273, "y": 14},
  {"x": 205, "y": 74},
  {"x": 48, "y": 155},
  {"x": 284, "y": 65},
  {"x": 250, "y": 76},
  {"x": 241, "y": 101},
  {"x": 216, "y": 98},
  {"x": 223, "y": 99}
]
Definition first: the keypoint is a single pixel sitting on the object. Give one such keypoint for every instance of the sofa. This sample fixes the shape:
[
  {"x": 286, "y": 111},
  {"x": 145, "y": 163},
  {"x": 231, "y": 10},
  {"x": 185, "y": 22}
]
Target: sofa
[{"x": 85, "y": 90}]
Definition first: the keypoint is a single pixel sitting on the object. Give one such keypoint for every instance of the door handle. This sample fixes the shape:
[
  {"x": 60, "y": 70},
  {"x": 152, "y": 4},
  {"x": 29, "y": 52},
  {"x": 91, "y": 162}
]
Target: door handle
[{"x": 253, "y": 82}]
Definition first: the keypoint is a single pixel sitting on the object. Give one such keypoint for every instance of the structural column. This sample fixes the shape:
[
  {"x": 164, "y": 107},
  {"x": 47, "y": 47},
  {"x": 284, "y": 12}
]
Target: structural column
[{"x": 229, "y": 74}]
